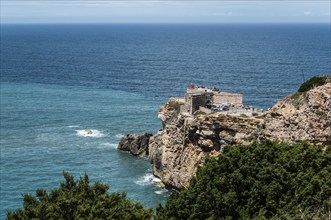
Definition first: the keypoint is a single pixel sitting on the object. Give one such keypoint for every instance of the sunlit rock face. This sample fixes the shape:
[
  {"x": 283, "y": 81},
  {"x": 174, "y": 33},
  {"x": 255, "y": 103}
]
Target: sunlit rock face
[
  {"x": 299, "y": 117},
  {"x": 184, "y": 141}
]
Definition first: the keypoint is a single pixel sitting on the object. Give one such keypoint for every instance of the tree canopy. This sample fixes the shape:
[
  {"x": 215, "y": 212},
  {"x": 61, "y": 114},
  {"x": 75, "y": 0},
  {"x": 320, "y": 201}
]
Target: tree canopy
[
  {"x": 77, "y": 199},
  {"x": 267, "y": 180},
  {"x": 262, "y": 181}
]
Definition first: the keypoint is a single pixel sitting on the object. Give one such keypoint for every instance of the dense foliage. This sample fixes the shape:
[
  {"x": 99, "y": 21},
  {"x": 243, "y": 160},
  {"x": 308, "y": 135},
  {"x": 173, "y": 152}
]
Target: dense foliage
[
  {"x": 261, "y": 181},
  {"x": 312, "y": 83},
  {"x": 79, "y": 200}
]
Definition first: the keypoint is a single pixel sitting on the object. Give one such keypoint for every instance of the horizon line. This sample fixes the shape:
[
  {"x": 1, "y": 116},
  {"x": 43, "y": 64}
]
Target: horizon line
[{"x": 164, "y": 23}]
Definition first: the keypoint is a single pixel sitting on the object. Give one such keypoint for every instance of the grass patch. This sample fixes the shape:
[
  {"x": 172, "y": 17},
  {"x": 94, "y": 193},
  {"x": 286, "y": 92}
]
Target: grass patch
[{"x": 298, "y": 98}]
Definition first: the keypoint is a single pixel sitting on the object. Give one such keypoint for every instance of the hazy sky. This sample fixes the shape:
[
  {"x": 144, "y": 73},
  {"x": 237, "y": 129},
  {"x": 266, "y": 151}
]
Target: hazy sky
[{"x": 107, "y": 11}]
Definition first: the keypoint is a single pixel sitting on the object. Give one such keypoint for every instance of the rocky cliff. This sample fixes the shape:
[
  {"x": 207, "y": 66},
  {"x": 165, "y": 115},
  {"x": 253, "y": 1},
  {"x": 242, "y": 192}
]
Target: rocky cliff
[
  {"x": 301, "y": 116},
  {"x": 135, "y": 144},
  {"x": 185, "y": 141}
]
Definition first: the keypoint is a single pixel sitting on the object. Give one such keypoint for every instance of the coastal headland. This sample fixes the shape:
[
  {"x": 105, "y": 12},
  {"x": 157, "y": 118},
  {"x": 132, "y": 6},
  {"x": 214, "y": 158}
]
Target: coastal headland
[{"x": 190, "y": 134}]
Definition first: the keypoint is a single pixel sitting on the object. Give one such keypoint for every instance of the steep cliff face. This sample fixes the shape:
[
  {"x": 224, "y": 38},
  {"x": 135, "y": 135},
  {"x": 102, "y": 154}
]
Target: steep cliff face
[
  {"x": 301, "y": 116},
  {"x": 185, "y": 141}
]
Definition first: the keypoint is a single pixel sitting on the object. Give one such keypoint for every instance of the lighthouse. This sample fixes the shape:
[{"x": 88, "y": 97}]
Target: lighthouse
[{"x": 191, "y": 85}]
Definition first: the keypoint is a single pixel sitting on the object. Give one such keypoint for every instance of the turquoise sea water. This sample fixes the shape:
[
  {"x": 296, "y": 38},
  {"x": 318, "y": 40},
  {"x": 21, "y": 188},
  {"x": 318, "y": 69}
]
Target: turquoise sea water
[
  {"x": 58, "y": 80},
  {"x": 42, "y": 136}
]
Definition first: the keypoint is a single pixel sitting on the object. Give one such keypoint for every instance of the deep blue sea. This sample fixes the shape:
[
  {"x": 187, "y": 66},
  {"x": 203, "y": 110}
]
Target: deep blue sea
[{"x": 58, "y": 80}]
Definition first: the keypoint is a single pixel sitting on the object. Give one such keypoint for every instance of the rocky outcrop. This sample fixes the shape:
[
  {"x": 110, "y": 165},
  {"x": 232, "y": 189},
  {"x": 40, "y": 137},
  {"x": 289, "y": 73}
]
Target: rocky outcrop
[
  {"x": 301, "y": 116},
  {"x": 135, "y": 144},
  {"x": 185, "y": 141}
]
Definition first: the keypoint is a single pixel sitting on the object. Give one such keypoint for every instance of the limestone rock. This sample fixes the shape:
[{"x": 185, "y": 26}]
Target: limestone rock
[
  {"x": 135, "y": 144},
  {"x": 185, "y": 141},
  {"x": 305, "y": 116}
]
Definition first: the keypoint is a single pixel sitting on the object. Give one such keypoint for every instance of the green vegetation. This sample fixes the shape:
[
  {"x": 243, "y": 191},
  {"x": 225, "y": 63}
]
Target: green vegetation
[
  {"x": 268, "y": 180},
  {"x": 312, "y": 83},
  {"x": 261, "y": 181},
  {"x": 174, "y": 105},
  {"x": 299, "y": 97},
  {"x": 79, "y": 200}
]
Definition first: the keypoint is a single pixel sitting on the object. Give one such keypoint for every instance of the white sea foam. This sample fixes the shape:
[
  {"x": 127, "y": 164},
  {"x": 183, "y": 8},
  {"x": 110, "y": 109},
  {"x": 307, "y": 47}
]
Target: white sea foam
[
  {"x": 156, "y": 180},
  {"x": 119, "y": 136},
  {"x": 110, "y": 145},
  {"x": 161, "y": 191},
  {"x": 89, "y": 133},
  {"x": 147, "y": 179},
  {"x": 73, "y": 126}
]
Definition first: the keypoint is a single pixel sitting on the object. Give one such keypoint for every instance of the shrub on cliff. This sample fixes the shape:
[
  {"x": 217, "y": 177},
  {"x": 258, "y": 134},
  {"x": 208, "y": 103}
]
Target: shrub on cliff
[
  {"x": 174, "y": 105},
  {"x": 312, "y": 83},
  {"x": 260, "y": 181},
  {"x": 79, "y": 200}
]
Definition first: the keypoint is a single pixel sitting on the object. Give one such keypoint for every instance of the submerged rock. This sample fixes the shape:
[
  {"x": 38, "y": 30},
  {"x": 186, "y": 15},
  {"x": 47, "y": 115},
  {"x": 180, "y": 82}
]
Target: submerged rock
[{"x": 135, "y": 144}]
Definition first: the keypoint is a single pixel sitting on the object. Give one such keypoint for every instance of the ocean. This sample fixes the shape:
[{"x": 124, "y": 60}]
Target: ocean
[{"x": 58, "y": 80}]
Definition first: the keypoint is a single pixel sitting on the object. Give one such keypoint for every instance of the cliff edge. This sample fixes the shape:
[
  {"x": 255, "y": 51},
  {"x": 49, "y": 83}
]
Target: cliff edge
[
  {"x": 186, "y": 140},
  {"x": 301, "y": 116}
]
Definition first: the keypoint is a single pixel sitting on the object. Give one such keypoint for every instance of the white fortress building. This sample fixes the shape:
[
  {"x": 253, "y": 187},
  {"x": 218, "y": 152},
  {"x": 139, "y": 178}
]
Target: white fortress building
[{"x": 196, "y": 97}]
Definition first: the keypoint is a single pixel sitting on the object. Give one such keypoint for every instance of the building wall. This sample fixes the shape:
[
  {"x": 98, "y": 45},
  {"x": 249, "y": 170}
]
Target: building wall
[
  {"x": 229, "y": 98},
  {"x": 197, "y": 101},
  {"x": 193, "y": 101},
  {"x": 180, "y": 100},
  {"x": 184, "y": 109},
  {"x": 188, "y": 99},
  {"x": 209, "y": 98}
]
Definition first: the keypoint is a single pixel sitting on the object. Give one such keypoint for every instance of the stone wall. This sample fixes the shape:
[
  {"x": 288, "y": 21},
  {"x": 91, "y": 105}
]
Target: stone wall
[
  {"x": 184, "y": 109},
  {"x": 197, "y": 101},
  {"x": 230, "y": 98}
]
